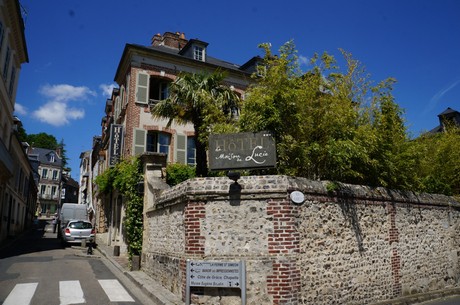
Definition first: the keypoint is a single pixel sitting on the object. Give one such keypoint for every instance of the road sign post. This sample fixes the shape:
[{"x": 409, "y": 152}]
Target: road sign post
[{"x": 216, "y": 274}]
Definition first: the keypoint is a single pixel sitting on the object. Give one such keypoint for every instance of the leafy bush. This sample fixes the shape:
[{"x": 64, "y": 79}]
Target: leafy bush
[{"x": 177, "y": 173}]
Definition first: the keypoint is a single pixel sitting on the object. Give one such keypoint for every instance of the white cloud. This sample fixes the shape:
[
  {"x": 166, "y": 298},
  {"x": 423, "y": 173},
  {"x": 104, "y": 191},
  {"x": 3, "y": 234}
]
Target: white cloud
[
  {"x": 57, "y": 113},
  {"x": 107, "y": 89},
  {"x": 303, "y": 60},
  {"x": 440, "y": 94},
  {"x": 56, "y": 110},
  {"x": 19, "y": 109},
  {"x": 66, "y": 93}
]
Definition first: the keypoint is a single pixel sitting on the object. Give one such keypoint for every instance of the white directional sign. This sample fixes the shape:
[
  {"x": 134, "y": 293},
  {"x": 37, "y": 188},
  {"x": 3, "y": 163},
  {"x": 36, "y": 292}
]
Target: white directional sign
[{"x": 217, "y": 274}]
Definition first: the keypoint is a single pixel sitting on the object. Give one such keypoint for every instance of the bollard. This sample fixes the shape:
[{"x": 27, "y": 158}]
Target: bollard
[
  {"x": 116, "y": 250},
  {"x": 135, "y": 263}
]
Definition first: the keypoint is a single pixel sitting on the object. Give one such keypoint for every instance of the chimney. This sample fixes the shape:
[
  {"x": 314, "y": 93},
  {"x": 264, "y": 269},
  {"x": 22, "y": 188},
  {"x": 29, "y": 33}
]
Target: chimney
[
  {"x": 156, "y": 40},
  {"x": 59, "y": 151},
  {"x": 173, "y": 40}
]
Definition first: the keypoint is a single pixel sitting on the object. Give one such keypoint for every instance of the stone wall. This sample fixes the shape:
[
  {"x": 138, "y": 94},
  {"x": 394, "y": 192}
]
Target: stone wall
[{"x": 348, "y": 245}]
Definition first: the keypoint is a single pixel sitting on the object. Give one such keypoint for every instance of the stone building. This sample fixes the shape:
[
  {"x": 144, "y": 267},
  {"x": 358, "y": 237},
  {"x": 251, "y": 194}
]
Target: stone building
[
  {"x": 143, "y": 75},
  {"x": 17, "y": 186},
  {"x": 50, "y": 183}
]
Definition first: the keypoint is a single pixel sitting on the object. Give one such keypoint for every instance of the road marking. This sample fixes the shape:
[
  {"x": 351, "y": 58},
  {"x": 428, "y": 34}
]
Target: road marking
[
  {"x": 70, "y": 293},
  {"x": 21, "y": 294},
  {"x": 115, "y": 291}
]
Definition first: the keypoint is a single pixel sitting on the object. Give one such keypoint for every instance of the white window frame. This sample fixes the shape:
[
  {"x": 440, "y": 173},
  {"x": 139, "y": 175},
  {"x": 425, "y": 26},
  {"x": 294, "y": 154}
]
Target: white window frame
[{"x": 198, "y": 53}]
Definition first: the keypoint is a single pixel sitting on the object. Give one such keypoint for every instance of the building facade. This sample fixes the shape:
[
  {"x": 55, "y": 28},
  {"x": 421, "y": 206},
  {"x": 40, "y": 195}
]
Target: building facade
[
  {"x": 17, "y": 185},
  {"x": 144, "y": 75},
  {"x": 50, "y": 185}
]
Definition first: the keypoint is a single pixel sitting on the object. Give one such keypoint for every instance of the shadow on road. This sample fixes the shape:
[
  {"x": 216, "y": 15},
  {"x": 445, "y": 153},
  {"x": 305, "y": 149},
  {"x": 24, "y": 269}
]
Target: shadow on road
[{"x": 36, "y": 239}]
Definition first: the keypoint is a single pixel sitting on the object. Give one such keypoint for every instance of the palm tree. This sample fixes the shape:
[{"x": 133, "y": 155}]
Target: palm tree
[{"x": 203, "y": 100}]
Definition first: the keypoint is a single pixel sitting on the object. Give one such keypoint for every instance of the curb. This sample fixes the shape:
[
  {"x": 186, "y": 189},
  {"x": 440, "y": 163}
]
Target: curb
[{"x": 145, "y": 283}]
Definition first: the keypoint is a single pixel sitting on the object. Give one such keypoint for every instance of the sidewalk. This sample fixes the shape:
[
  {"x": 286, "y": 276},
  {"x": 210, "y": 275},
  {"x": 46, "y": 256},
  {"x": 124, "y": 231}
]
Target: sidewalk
[{"x": 150, "y": 287}]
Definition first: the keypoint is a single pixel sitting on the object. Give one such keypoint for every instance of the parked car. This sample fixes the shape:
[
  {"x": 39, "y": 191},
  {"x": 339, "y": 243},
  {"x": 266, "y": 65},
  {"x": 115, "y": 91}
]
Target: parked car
[
  {"x": 75, "y": 231},
  {"x": 70, "y": 211}
]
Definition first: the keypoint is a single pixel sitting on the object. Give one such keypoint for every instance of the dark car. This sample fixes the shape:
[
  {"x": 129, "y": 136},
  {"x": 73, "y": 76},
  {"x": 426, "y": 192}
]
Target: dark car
[{"x": 75, "y": 231}]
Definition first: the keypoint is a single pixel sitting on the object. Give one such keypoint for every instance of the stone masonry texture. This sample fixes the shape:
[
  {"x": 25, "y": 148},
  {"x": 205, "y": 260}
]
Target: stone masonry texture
[{"x": 349, "y": 245}]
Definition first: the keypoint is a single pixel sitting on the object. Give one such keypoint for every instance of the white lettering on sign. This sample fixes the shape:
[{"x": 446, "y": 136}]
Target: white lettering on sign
[{"x": 242, "y": 150}]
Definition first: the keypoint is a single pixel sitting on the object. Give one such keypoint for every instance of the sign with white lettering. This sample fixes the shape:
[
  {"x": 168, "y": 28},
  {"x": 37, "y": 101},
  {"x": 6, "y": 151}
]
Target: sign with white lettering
[
  {"x": 116, "y": 142},
  {"x": 245, "y": 150},
  {"x": 216, "y": 274}
]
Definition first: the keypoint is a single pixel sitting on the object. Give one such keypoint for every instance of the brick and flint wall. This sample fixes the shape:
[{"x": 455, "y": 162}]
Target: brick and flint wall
[{"x": 351, "y": 245}]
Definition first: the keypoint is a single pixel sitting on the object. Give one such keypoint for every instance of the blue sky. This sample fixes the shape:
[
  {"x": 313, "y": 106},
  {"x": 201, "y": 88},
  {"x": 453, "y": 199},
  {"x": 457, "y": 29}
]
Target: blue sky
[{"x": 75, "y": 46}]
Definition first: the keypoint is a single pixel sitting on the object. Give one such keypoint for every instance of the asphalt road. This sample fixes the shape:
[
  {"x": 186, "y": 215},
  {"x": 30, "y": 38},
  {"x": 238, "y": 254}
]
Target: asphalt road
[{"x": 37, "y": 269}]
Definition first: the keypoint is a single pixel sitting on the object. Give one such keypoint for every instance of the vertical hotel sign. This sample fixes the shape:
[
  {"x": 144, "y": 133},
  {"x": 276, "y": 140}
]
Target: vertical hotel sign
[{"x": 116, "y": 142}]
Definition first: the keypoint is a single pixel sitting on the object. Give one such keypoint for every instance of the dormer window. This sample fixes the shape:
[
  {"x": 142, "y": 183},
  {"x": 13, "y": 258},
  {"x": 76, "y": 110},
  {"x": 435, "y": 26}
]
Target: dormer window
[
  {"x": 198, "y": 53},
  {"x": 52, "y": 158},
  {"x": 195, "y": 49}
]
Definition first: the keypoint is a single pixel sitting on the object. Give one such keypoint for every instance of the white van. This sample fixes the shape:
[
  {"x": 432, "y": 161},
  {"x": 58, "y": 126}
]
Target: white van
[{"x": 71, "y": 211}]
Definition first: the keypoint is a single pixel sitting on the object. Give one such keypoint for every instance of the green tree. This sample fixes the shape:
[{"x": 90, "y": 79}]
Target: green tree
[
  {"x": 203, "y": 100},
  {"x": 22, "y": 135},
  {"x": 328, "y": 123},
  {"x": 438, "y": 161},
  {"x": 42, "y": 140},
  {"x": 65, "y": 160}
]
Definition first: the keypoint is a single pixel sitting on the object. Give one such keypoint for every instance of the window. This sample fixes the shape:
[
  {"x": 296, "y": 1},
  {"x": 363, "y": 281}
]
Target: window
[
  {"x": 44, "y": 173},
  {"x": 164, "y": 91},
  {"x": 53, "y": 191},
  {"x": 55, "y": 175},
  {"x": 52, "y": 158},
  {"x": 159, "y": 90},
  {"x": 43, "y": 189},
  {"x": 191, "y": 151},
  {"x": 198, "y": 53},
  {"x": 158, "y": 142},
  {"x": 7, "y": 62}
]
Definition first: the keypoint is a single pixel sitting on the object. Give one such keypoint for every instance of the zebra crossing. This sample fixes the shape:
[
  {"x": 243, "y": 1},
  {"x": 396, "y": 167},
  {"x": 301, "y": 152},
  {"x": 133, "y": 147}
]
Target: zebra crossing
[{"x": 70, "y": 292}]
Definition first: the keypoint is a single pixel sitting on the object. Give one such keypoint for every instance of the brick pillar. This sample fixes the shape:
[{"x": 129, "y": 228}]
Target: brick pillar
[
  {"x": 393, "y": 237},
  {"x": 194, "y": 241},
  {"x": 283, "y": 246}
]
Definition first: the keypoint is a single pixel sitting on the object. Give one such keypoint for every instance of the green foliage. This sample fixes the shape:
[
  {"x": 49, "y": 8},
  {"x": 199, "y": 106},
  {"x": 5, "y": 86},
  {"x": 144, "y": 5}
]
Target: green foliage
[
  {"x": 177, "y": 173},
  {"x": 203, "y": 100},
  {"x": 124, "y": 177},
  {"x": 104, "y": 181},
  {"x": 328, "y": 123},
  {"x": 437, "y": 161},
  {"x": 22, "y": 135},
  {"x": 42, "y": 140},
  {"x": 332, "y": 186}
]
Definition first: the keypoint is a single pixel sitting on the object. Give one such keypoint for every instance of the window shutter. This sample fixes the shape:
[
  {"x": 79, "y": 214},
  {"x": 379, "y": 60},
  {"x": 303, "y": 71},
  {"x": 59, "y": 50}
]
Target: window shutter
[
  {"x": 142, "y": 88},
  {"x": 181, "y": 148},
  {"x": 139, "y": 141}
]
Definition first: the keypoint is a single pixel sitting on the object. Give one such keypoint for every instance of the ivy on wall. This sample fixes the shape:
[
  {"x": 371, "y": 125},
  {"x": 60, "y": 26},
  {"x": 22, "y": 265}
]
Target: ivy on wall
[{"x": 124, "y": 177}]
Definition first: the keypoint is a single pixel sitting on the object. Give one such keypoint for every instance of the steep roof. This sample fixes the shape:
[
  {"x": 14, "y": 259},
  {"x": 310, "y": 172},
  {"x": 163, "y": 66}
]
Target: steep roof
[
  {"x": 45, "y": 156},
  {"x": 175, "y": 54}
]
